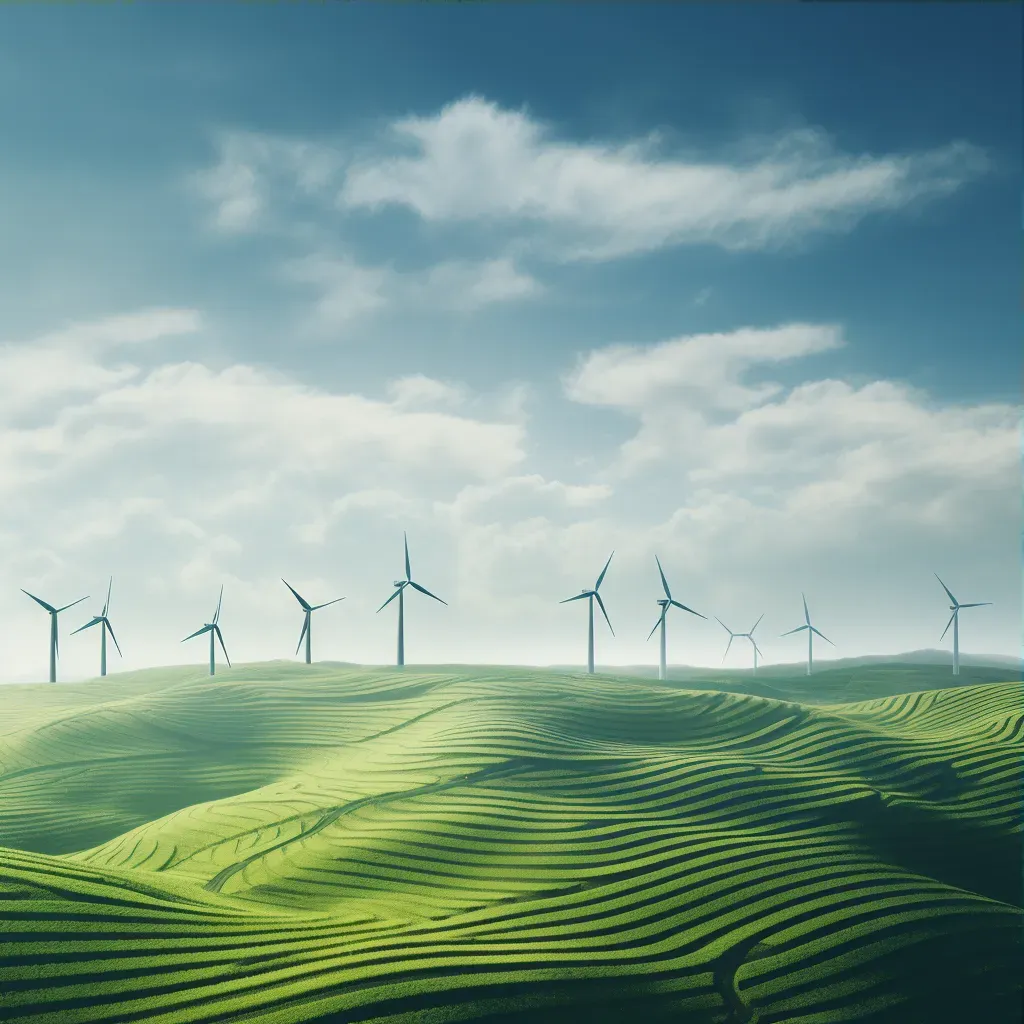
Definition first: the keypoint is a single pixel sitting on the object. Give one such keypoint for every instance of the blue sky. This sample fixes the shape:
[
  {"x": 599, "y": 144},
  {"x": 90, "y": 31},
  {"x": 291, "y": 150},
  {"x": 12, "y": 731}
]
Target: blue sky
[{"x": 739, "y": 285}]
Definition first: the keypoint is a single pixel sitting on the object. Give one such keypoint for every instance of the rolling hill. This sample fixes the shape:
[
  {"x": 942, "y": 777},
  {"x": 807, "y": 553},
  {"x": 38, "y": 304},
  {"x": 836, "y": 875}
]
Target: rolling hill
[{"x": 285, "y": 843}]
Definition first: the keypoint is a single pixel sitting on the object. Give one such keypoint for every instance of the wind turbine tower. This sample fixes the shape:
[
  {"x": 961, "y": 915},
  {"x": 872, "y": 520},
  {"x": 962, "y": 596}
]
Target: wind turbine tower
[
  {"x": 954, "y": 619},
  {"x": 103, "y": 622},
  {"x": 810, "y": 635},
  {"x": 591, "y": 595},
  {"x": 665, "y": 603},
  {"x": 400, "y": 586},
  {"x": 54, "y": 612},
  {"x": 214, "y": 630},
  {"x": 307, "y": 623},
  {"x": 749, "y": 635}
]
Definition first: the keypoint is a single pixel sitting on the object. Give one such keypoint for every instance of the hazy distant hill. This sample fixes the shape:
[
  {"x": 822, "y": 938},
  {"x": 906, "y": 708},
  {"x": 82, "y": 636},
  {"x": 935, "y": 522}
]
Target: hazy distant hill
[{"x": 286, "y": 843}]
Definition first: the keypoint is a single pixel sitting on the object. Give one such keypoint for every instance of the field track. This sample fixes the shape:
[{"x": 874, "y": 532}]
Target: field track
[{"x": 287, "y": 843}]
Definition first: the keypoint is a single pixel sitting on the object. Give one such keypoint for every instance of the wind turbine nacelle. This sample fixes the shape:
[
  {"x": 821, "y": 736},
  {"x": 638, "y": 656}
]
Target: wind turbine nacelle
[{"x": 398, "y": 583}]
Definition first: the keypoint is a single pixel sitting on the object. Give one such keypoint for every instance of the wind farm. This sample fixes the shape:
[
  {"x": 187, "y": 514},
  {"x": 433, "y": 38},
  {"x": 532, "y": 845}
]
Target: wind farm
[{"x": 720, "y": 301}]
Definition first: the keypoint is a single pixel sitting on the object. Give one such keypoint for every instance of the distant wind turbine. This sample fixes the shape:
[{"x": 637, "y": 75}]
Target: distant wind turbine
[
  {"x": 954, "y": 619},
  {"x": 666, "y": 602},
  {"x": 400, "y": 586},
  {"x": 307, "y": 623},
  {"x": 749, "y": 635},
  {"x": 591, "y": 594},
  {"x": 214, "y": 630},
  {"x": 810, "y": 635},
  {"x": 103, "y": 622},
  {"x": 54, "y": 612}
]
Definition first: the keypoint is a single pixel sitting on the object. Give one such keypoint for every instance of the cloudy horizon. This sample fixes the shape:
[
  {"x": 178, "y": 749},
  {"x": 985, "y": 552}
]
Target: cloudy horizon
[{"x": 258, "y": 323}]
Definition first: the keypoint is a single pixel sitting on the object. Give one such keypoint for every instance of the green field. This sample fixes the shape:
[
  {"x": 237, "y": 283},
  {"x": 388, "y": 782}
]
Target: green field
[{"x": 286, "y": 842}]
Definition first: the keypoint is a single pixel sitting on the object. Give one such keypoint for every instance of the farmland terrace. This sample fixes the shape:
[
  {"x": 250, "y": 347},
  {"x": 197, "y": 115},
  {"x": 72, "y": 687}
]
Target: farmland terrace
[{"x": 286, "y": 843}]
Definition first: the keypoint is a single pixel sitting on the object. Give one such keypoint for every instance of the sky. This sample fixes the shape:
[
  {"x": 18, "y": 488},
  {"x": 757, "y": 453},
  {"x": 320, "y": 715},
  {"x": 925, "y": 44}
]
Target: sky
[{"x": 736, "y": 286}]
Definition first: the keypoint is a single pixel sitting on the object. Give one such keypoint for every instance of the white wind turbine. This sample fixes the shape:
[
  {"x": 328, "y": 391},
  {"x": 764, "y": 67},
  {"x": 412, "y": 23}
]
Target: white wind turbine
[
  {"x": 666, "y": 602},
  {"x": 810, "y": 635},
  {"x": 749, "y": 635},
  {"x": 954, "y": 619}
]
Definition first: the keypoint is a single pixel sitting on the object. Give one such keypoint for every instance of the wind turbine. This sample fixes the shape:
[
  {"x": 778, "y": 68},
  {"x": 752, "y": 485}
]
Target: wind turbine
[
  {"x": 307, "y": 624},
  {"x": 591, "y": 594},
  {"x": 54, "y": 612},
  {"x": 104, "y": 623},
  {"x": 400, "y": 586},
  {"x": 666, "y": 602},
  {"x": 810, "y": 635},
  {"x": 749, "y": 635},
  {"x": 214, "y": 630},
  {"x": 955, "y": 620}
]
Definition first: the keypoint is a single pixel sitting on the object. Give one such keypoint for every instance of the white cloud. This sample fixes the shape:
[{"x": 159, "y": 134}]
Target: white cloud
[
  {"x": 476, "y": 161},
  {"x": 66, "y": 361},
  {"x": 704, "y": 369},
  {"x": 254, "y": 170},
  {"x": 349, "y": 291},
  {"x": 419, "y": 390}
]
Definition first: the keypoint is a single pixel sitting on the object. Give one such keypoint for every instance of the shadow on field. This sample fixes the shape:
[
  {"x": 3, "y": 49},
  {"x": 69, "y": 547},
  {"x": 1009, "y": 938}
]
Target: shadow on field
[{"x": 980, "y": 859}]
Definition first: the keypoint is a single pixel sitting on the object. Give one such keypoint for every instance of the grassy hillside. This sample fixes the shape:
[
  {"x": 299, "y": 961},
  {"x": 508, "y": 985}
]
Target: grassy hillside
[{"x": 288, "y": 843}]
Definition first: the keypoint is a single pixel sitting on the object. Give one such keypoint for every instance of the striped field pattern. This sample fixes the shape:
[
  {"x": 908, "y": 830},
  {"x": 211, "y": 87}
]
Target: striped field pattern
[{"x": 286, "y": 843}]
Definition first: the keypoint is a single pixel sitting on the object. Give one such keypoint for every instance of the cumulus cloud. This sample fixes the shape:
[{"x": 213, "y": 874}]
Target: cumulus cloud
[
  {"x": 475, "y": 161},
  {"x": 823, "y": 454}
]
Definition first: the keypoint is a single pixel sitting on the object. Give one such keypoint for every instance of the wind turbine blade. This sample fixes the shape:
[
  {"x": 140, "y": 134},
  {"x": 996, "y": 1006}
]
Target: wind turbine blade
[
  {"x": 822, "y": 635},
  {"x": 39, "y": 600},
  {"x": 976, "y": 604},
  {"x": 578, "y": 597},
  {"x": 106, "y": 604},
  {"x": 947, "y": 590},
  {"x": 95, "y": 619},
  {"x": 948, "y": 624},
  {"x": 685, "y": 609},
  {"x": 664, "y": 582},
  {"x": 423, "y": 590},
  {"x": 754, "y": 626},
  {"x": 408, "y": 567},
  {"x": 220, "y": 637},
  {"x": 597, "y": 585},
  {"x": 397, "y": 591},
  {"x": 326, "y": 603},
  {"x": 298, "y": 596},
  {"x": 603, "y": 612},
  {"x": 807, "y": 614},
  {"x": 110, "y": 630},
  {"x": 725, "y": 627},
  {"x": 73, "y": 603},
  {"x": 756, "y": 648},
  {"x": 797, "y": 630},
  {"x": 727, "y": 646},
  {"x": 661, "y": 619},
  {"x": 216, "y": 614},
  {"x": 302, "y": 635},
  {"x": 199, "y": 632}
]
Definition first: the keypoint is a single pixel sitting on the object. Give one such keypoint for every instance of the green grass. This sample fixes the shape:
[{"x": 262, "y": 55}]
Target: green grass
[{"x": 287, "y": 843}]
